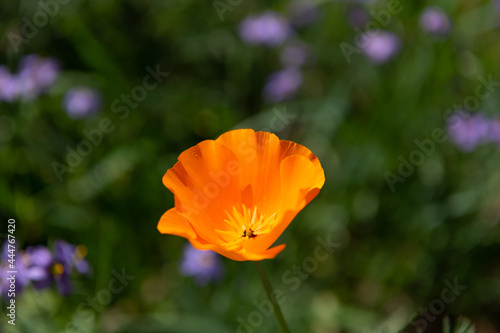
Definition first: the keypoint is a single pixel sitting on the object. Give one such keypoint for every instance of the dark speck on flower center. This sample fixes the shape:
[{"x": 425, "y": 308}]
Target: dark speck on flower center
[{"x": 249, "y": 235}]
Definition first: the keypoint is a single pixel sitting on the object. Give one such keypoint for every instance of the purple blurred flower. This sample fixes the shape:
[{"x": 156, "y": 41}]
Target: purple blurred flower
[
  {"x": 303, "y": 12},
  {"x": 80, "y": 102},
  {"x": 282, "y": 85},
  {"x": 67, "y": 257},
  {"x": 204, "y": 266},
  {"x": 36, "y": 75},
  {"x": 469, "y": 132},
  {"x": 357, "y": 16},
  {"x": 435, "y": 21},
  {"x": 494, "y": 135},
  {"x": 9, "y": 85},
  {"x": 63, "y": 252},
  {"x": 22, "y": 279},
  {"x": 38, "y": 266},
  {"x": 269, "y": 28},
  {"x": 39, "y": 261},
  {"x": 293, "y": 56},
  {"x": 71, "y": 256},
  {"x": 380, "y": 46}
]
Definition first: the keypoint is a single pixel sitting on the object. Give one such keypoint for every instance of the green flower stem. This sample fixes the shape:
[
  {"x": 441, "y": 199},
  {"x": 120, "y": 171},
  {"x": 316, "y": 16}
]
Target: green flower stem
[{"x": 269, "y": 290}]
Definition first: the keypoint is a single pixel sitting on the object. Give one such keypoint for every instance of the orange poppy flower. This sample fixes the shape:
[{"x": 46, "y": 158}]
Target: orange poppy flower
[{"x": 235, "y": 195}]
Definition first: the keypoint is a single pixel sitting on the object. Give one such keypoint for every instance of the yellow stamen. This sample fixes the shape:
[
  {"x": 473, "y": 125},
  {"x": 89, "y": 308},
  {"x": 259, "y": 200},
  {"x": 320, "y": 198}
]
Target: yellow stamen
[
  {"x": 243, "y": 226},
  {"x": 81, "y": 251},
  {"x": 58, "y": 269}
]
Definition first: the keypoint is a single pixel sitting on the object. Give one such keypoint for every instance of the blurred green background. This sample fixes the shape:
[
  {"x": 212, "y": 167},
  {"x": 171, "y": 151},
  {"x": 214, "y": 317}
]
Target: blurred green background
[{"x": 397, "y": 246}]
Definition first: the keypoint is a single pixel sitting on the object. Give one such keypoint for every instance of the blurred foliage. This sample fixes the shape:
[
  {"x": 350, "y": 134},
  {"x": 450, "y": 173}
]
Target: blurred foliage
[{"x": 397, "y": 248}]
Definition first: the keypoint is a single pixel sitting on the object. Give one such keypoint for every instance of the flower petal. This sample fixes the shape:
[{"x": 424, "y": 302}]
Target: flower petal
[
  {"x": 203, "y": 245},
  {"x": 301, "y": 181},
  {"x": 238, "y": 256},
  {"x": 259, "y": 157},
  {"x": 241, "y": 170},
  {"x": 173, "y": 223},
  {"x": 205, "y": 184},
  {"x": 272, "y": 252}
]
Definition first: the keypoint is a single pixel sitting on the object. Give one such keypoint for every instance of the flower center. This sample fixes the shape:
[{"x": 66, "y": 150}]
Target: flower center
[
  {"x": 244, "y": 225},
  {"x": 58, "y": 269},
  {"x": 251, "y": 234}
]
